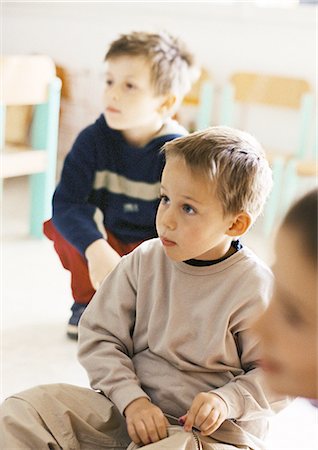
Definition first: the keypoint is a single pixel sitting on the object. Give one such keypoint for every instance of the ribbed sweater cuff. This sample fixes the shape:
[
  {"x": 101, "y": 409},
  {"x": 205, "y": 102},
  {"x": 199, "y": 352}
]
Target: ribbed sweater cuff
[
  {"x": 124, "y": 396},
  {"x": 229, "y": 395}
]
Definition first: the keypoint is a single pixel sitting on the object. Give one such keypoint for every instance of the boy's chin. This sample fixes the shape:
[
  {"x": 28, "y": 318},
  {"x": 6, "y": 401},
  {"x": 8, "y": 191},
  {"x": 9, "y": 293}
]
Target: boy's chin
[
  {"x": 174, "y": 256},
  {"x": 113, "y": 123}
]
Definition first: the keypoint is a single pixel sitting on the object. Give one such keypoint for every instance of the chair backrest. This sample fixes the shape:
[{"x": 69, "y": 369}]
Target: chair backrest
[
  {"x": 251, "y": 89},
  {"x": 269, "y": 89},
  {"x": 26, "y": 83},
  {"x": 25, "y": 79}
]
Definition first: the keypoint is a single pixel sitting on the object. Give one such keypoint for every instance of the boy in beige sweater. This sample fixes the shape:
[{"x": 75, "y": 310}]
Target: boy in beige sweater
[{"x": 168, "y": 331}]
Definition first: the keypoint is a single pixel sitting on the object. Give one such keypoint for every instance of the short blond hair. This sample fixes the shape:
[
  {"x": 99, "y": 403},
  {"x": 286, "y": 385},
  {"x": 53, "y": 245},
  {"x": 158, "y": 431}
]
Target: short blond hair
[
  {"x": 233, "y": 160},
  {"x": 172, "y": 65}
]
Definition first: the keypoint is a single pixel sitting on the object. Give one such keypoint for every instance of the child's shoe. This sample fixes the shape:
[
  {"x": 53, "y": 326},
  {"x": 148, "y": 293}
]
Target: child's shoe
[{"x": 72, "y": 326}]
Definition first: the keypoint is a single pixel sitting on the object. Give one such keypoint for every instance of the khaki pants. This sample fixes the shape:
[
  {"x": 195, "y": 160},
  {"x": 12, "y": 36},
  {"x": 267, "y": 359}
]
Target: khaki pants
[{"x": 61, "y": 416}]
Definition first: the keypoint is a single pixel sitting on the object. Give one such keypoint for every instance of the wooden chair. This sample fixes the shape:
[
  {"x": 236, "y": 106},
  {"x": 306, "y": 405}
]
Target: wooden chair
[
  {"x": 29, "y": 81},
  {"x": 246, "y": 90}
]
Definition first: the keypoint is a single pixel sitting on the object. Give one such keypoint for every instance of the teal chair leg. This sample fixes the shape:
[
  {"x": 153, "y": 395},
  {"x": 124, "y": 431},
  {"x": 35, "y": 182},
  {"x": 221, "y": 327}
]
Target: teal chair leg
[
  {"x": 307, "y": 103},
  {"x": 39, "y": 203},
  {"x": 273, "y": 202},
  {"x": 44, "y": 135},
  {"x": 290, "y": 185},
  {"x": 294, "y": 185},
  {"x": 227, "y": 106},
  {"x": 205, "y": 106}
]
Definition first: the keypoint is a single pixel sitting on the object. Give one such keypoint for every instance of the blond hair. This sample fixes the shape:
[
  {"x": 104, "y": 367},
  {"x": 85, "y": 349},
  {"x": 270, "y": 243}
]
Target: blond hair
[
  {"x": 171, "y": 64},
  {"x": 233, "y": 160}
]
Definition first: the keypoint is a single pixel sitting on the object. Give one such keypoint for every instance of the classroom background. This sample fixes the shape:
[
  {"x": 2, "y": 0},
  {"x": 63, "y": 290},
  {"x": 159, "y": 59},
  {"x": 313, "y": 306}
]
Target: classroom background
[{"x": 263, "y": 37}]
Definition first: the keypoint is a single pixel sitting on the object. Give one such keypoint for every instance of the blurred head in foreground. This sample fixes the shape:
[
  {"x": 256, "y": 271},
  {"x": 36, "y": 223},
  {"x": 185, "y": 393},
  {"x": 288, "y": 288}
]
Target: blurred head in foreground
[{"x": 289, "y": 327}]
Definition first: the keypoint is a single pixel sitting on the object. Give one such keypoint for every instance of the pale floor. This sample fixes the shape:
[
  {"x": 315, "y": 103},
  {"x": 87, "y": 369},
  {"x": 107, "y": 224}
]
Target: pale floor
[{"x": 35, "y": 302}]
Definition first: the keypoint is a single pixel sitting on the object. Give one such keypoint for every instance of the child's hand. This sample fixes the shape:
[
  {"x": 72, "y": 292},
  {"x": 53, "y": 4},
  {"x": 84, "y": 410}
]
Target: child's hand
[
  {"x": 208, "y": 411},
  {"x": 101, "y": 259},
  {"x": 146, "y": 422}
]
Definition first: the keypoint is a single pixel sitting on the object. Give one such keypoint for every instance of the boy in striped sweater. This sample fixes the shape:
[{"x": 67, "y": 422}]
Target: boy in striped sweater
[{"x": 105, "y": 203}]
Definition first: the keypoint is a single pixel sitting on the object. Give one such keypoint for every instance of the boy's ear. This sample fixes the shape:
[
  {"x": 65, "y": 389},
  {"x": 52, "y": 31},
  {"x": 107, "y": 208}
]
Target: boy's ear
[
  {"x": 240, "y": 224},
  {"x": 168, "y": 103}
]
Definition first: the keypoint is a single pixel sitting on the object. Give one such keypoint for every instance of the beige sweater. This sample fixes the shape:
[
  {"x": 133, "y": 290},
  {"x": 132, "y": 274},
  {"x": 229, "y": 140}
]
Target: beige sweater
[{"x": 167, "y": 331}]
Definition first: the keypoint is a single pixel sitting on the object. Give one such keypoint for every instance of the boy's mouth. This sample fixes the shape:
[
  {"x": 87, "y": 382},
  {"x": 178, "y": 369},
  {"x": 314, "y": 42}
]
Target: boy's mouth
[
  {"x": 110, "y": 109},
  {"x": 166, "y": 242}
]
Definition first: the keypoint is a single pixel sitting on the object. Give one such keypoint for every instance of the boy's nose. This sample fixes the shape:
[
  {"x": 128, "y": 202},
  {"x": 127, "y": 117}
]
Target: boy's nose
[
  {"x": 115, "y": 95},
  {"x": 169, "y": 220},
  {"x": 112, "y": 92}
]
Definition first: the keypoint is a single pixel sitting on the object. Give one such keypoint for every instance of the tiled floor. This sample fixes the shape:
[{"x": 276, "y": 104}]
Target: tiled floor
[{"x": 35, "y": 302}]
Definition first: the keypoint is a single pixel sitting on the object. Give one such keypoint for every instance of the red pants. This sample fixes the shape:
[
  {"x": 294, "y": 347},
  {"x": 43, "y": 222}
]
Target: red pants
[{"x": 74, "y": 261}]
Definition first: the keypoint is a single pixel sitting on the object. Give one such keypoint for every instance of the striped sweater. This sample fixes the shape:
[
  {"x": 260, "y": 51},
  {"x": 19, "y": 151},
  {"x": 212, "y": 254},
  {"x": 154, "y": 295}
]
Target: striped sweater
[{"x": 102, "y": 171}]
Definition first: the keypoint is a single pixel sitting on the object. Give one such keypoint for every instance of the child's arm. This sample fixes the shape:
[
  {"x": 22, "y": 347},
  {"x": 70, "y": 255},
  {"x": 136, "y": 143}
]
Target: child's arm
[
  {"x": 107, "y": 351},
  {"x": 245, "y": 397},
  {"x": 73, "y": 212},
  {"x": 101, "y": 258}
]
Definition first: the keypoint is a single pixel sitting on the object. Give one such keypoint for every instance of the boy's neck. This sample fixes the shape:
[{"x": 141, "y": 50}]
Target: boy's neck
[
  {"x": 235, "y": 247},
  {"x": 141, "y": 137}
]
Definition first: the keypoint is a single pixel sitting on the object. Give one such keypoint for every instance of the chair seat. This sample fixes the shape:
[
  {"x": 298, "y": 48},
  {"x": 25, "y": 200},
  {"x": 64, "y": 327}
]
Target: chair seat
[{"x": 20, "y": 160}]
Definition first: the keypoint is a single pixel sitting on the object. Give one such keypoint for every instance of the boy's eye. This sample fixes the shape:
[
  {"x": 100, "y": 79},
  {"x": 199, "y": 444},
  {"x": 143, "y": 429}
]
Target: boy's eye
[
  {"x": 109, "y": 82},
  {"x": 164, "y": 199},
  {"x": 188, "y": 209},
  {"x": 130, "y": 86}
]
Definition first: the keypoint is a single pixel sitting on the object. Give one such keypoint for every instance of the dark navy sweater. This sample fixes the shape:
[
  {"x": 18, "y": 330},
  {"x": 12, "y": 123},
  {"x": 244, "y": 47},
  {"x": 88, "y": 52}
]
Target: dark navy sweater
[{"x": 103, "y": 171}]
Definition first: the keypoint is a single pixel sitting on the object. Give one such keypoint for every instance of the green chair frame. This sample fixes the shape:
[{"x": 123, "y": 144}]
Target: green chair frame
[{"x": 38, "y": 159}]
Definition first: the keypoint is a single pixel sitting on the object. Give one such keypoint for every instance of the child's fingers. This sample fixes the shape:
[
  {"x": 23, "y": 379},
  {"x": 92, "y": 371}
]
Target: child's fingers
[
  {"x": 182, "y": 419},
  {"x": 218, "y": 422},
  {"x": 152, "y": 432},
  {"x": 133, "y": 433},
  {"x": 142, "y": 433},
  {"x": 146, "y": 425},
  {"x": 204, "y": 417},
  {"x": 160, "y": 431},
  {"x": 156, "y": 428},
  {"x": 197, "y": 414},
  {"x": 210, "y": 421},
  {"x": 189, "y": 420}
]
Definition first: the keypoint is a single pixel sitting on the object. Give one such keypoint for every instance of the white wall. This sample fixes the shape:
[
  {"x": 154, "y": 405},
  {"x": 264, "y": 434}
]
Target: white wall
[{"x": 225, "y": 38}]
